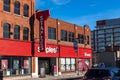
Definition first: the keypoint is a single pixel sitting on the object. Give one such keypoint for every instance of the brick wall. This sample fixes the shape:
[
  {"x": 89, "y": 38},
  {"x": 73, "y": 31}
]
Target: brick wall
[
  {"x": 12, "y": 19},
  {"x": 62, "y": 25}
]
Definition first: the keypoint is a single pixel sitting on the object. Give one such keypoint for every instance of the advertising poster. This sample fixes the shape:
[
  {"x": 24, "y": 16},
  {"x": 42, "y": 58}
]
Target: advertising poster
[
  {"x": 16, "y": 64},
  {"x": 4, "y": 64},
  {"x": 26, "y": 64}
]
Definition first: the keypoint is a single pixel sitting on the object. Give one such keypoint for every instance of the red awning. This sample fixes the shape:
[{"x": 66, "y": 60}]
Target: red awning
[
  {"x": 14, "y": 48},
  {"x": 85, "y": 52},
  {"x": 68, "y": 51}
]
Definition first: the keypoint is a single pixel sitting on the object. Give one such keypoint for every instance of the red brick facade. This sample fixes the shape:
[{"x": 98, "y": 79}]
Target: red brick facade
[{"x": 33, "y": 25}]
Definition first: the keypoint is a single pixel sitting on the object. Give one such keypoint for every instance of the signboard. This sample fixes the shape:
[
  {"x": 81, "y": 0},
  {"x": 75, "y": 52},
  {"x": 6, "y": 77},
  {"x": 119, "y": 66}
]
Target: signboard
[
  {"x": 50, "y": 49},
  {"x": 75, "y": 44},
  {"x": 42, "y": 16}
]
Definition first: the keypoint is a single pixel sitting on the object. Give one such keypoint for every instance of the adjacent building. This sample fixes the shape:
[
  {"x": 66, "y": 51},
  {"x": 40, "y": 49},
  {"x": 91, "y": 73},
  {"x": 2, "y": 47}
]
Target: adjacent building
[
  {"x": 106, "y": 38},
  {"x": 21, "y": 55},
  {"x": 107, "y": 34}
]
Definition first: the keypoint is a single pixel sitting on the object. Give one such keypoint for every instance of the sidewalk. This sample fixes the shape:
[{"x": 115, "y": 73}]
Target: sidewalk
[{"x": 48, "y": 77}]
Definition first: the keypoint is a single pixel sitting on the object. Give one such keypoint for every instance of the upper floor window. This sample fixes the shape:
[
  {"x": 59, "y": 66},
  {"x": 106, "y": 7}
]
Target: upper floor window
[
  {"x": 6, "y": 30},
  {"x": 17, "y": 7},
  {"x": 7, "y": 5},
  {"x": 63, "y": 35},
  {"x": 71, "y": 36},
  {"x": 17, "y": 32},
  {"x": 80, "y": 38},
  {"x": 26, "y": 10},
  {"x": 87, "y": 39},
  {"x": 51, "y": 33},
  {"x": 25, "y": 33}
]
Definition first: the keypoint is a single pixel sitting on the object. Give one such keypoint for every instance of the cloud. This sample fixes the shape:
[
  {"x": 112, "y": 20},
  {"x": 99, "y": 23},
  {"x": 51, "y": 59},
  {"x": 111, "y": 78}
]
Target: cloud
[
  {"x": 91, "y": 19},
  {"x": 61, "y": 2}
]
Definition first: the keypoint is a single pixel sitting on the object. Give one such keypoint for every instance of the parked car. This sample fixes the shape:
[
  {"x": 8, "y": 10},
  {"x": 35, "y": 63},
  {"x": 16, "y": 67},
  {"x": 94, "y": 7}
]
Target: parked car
[
  {"x": 102, "y": 74},
  {"x": 117, "y": 75}
]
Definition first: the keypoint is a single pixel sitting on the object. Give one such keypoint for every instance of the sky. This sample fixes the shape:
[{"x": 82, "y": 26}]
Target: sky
[{"x": 81, "y": 12}]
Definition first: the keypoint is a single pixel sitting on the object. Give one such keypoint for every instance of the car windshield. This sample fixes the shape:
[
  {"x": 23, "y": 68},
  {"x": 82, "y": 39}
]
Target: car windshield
[{"x": 97, "y": 73}]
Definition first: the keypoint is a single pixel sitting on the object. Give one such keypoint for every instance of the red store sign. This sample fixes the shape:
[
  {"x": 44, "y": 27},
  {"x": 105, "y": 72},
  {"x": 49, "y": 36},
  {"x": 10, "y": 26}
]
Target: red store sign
[
  {"x": 42, "y": 16},
  {"x": 50, "y": 51},
  {"x": 85, "y": 53}
]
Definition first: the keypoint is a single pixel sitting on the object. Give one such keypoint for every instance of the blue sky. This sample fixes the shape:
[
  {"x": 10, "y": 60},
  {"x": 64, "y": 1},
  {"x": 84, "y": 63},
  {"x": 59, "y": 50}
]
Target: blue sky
[{"x": 81, "y": 12}]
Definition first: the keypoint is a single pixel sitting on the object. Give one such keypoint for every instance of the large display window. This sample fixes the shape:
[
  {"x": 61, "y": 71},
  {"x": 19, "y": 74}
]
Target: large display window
[
  {"x": 67, "y": 64},
  {"x": 63, "y": 64},
  {"x": 11, "y": 66}
]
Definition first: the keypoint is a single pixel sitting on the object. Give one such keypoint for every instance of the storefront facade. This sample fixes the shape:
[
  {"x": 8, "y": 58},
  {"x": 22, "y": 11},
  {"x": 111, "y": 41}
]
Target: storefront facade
[
  {"x": 15, "y": 58},
  {"x": 64, "y": 58},
  {"x": 15, "y": 38},
  {"x": 29, "y": 43},
  {"x": 58, "y": 46}
]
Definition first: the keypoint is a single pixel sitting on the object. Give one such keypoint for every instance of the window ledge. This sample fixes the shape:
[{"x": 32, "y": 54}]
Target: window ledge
[
  {"x": 7, "y": 12},
  {"x": 17, "y": 15}
]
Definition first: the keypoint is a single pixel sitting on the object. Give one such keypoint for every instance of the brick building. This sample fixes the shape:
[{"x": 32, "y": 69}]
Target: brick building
[
  {"x": 15, "y": 38},
  {"x": 60, "y": 35},
  {"x": 20, "y": 56}
]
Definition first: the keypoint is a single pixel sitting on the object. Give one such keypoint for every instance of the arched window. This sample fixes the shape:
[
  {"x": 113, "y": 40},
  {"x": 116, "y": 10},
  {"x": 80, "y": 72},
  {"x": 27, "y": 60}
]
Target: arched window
[
  {"x": 26, "y": 10},
  {"x": 17, "y": 32},
  {"x": 6, "y": 30},
  {"x": 6, "y": 5},
  {"x": 25, "y": 33},
  {"x": 17, "y": 8}
]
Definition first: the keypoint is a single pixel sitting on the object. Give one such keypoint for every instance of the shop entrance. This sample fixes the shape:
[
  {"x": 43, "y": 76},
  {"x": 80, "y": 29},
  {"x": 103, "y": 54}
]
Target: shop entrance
[{"x": 44, "y": 63}]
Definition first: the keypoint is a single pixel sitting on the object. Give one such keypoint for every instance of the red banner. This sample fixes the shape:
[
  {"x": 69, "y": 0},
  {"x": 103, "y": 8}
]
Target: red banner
[{"x": 42, "y": 16}]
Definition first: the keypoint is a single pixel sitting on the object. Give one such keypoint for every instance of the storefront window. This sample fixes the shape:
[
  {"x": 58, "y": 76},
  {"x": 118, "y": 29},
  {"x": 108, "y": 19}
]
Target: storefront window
[
  {"x": 67, "y": 64},
  {"x": 73, "y": 64},
  {"x": 63, "y": 64},
  {"x": 15, "y": 65}
]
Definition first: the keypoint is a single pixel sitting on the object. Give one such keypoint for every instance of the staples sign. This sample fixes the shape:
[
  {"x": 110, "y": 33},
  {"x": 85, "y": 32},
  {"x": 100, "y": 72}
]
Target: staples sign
[
  {"x": 50, "y": 50},
  {"x": 42, "y": 17},
  {"x": 42, "y": 40}
]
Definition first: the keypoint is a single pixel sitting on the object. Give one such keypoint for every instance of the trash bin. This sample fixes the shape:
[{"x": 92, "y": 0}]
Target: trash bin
[{"x": 42, "y": 72}]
